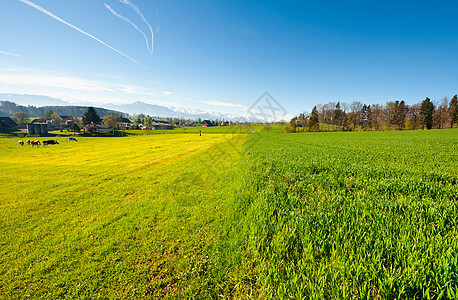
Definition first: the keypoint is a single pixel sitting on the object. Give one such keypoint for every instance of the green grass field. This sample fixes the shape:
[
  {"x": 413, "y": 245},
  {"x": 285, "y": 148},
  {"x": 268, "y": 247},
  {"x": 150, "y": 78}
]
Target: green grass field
[
  {"x": 242, "y": 129},
  {"x": 262, "y": 215}
]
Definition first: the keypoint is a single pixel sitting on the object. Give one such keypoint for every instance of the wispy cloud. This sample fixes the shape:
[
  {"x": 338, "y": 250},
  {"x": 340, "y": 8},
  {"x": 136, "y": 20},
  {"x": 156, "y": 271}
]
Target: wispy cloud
[
  {"x": 74, "y": 88},
  {"x": 137, "y": 10},
  {"x": 150, "y": 50},
  {"x": 41, "y": 9},
  {"x": 10, "y": 54},
  {"x": 68, "y": 83},
  {"x": 225, "y": 104}
]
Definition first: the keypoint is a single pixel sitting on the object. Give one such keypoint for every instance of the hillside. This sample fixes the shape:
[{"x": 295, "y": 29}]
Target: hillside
[{"x": 8, "y": 108}]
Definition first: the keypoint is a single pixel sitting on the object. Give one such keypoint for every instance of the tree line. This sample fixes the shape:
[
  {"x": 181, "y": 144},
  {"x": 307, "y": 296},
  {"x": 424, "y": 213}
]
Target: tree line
[{"x": 394, "y": 115}]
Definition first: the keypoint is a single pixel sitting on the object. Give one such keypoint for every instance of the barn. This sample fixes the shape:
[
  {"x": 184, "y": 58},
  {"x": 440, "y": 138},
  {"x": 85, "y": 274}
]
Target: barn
[{"x": 7, "y": 122}]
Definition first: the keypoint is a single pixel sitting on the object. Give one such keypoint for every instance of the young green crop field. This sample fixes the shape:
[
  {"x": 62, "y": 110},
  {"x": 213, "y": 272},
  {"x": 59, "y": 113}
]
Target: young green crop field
[{"x": 264, "y": 215}]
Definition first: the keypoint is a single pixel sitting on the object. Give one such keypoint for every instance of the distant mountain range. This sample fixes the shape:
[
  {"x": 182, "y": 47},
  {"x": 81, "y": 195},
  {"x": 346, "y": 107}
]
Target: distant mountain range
[{"x": 36, "y": 106}]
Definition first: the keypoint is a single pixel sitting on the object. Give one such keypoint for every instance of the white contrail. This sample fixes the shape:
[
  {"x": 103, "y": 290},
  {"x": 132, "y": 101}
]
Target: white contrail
[
  {"x": 137, "y": 10},
  {"x": 131, "y": 23},
  {"x": 78, "y": 29},
  {"x": 10, "y": 54}
]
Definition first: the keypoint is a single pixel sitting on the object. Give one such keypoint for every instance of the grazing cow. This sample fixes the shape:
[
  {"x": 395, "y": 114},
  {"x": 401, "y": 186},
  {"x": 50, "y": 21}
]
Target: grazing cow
[
  {"x": 28, "y": 142},
  {"x": 21, "y": 143},
  {"x": 50, "y": 142},
  {"x": 35, "y": 143},
  {"x": 71, "y": 139}
]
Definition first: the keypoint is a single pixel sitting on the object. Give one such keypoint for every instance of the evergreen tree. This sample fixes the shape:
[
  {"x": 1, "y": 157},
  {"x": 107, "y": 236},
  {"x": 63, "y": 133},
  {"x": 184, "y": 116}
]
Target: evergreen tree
[
  {"x": 338, "y": 115},
  {"x": 75, "y": 127},
  {"x": 91, "y": 116},
  {"x": 453, "y": 111},
  {"x": 400, "y": 114},
  {"x": 369, "y": 117},
  {"x": 363, "y": 121},
  {"x": 314, "y": 123},
  {"x": 426, "y": 112}
]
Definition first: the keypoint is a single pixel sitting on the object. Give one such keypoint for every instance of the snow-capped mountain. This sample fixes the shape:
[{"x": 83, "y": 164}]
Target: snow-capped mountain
[{"x": 135, "y": 108}]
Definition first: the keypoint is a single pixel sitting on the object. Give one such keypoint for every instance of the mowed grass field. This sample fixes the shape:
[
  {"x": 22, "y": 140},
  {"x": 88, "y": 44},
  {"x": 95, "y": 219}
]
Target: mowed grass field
[
  {"x": 111, "y": 217},
  {"x": 305, "y": 216}
]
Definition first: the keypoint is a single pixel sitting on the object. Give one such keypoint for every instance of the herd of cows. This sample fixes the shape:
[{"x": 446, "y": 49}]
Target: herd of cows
[{"x": 47, "y": 142}]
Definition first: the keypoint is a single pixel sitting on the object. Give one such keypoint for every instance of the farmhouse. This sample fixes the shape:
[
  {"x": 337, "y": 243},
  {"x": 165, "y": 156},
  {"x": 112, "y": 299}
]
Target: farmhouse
[
  {"x": 51, "y": 123},
  {"x": 66, "y": 121},
  {"x": 207, "y": 123},
  {"x": 97, "y": 128},
  {"x": 63, "y": 119},
  {"x": 124, "y": 123},
  {"x": 103, "y": 128},
  {"x": 62, "y": 123},
  {"x": 161, "y": 126}
]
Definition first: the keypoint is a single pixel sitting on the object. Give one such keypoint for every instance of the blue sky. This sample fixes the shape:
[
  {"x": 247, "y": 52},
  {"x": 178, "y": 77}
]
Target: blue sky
[{"x": 223, "y": 55}]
